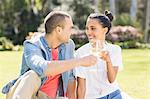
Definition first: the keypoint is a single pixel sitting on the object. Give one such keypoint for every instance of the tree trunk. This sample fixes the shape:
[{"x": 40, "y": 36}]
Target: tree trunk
[
  {"x": 95, "y": 3},
  {"x": 112, "y": 6},
  {"x": 103, "y": 5},
  {"x": 133, "y": 9},
  {"x": 147, "y": 20}
]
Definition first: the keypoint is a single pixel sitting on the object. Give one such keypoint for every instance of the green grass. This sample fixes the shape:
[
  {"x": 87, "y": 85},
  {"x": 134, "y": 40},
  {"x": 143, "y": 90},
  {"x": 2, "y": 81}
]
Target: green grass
[
  {"x": 9, "y": 67},
  {"x": 134, "y": 79}
]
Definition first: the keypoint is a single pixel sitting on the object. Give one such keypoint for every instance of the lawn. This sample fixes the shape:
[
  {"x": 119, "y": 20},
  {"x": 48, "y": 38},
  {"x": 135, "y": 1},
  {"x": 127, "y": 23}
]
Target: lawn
[{"x": 134, "y": 79}]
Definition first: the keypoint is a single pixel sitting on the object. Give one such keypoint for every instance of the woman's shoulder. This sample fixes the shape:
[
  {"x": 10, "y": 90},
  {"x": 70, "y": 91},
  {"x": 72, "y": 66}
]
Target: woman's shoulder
[
  {"x": 114, "y": 46},
  {"x": 83, "y": 50},
  {"x": 85, "y": 47}
]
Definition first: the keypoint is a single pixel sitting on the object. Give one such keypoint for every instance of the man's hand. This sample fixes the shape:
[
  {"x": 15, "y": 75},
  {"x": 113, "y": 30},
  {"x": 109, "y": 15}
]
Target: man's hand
[{"x": 88, "y": 61}]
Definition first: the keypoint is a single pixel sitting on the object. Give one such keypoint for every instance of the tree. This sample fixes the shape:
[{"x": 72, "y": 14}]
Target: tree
[
  {"x": 102, "y": 5},
  {"x": 147, "y": 21},
  {"x": 112, "y": 7},
  {"x": 95, "y": 3},
  {"x": 18, "y": 18},
  {"x": 10, "y": 18},
  {"x": 81, "y": 8},
  {"x": 123, "y": 6},
  {"x": 133, "y": 9}
]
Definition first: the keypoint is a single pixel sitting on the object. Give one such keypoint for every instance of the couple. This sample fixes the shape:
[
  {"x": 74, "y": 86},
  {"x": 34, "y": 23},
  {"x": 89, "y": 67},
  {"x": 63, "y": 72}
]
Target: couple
[{"x": 48, "y": 63}]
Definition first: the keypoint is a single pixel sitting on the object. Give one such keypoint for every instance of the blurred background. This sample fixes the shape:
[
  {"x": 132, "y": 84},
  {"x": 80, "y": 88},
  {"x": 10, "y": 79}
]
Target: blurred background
[{"x": 20, "y": 19}]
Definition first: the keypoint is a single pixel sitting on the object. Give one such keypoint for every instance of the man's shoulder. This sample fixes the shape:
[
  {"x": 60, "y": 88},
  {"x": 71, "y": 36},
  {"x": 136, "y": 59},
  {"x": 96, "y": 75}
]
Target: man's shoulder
[
  {"x": 70, "y": 44},
  {"x": 34, "y": 41}
]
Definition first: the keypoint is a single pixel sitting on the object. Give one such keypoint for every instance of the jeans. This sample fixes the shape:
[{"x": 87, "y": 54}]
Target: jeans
[{"x": 114, "y": 95}]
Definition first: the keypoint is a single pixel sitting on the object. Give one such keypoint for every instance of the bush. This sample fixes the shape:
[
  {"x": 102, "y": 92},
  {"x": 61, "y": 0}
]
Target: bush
[
  {"x": 6, "y": 44},
  {"x": 127, "y": 44},
  {"x": 142, "y": 45},
  {"x": 124, "y": 33},
  {"x": 79, "y": 37},
  {"x": 133, "y": 44},
  {"x": 125, "y": 36}
]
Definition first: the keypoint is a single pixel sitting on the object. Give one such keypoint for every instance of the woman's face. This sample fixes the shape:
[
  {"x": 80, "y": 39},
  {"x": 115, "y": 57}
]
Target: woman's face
[{"x": 94, "y": 30}]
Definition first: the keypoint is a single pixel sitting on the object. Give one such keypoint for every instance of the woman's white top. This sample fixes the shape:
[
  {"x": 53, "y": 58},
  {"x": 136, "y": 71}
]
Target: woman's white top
[{"x": 97, "y": 84}]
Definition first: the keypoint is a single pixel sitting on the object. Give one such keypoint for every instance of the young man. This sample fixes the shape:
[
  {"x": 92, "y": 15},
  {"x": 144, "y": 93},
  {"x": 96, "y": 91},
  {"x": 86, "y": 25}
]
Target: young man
[{"x": 46, "y": 61}]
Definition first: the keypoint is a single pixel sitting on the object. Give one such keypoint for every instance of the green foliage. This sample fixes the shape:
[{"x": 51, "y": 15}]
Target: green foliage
[
  {"x": 125, "y": 20},
  {"x": 5, "y": 44},
  {"x": 133, "y": 44},
  {"x": 20, "y": 17},
  {"x": 127, "y": 44},
  {"x": 56, "y": 2},
  {"x": 79, "y": 41},
  {"x": 103, "y": 5},
  {"x": 123, "y": 6},
  {"x": 16, "y": 20},
  {"x": 82, "y": 9}
]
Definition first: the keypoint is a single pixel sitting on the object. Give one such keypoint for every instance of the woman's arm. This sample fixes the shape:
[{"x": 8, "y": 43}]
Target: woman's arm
[
  {"x": 111, "y": 71},
  {"x": 81, "y": 88},
  {"x": 71, "y": 89}
]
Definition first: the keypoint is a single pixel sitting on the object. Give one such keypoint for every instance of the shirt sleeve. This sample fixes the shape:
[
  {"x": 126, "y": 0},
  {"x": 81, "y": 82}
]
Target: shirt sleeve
[
  {"x": 116, "y": 57},
  {"x": 79, "y": 71},
  {"x": 34, "y": 59}
]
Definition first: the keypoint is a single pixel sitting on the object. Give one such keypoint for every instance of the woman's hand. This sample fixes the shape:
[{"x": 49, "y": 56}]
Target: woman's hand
[{"x": 105, "y": 56}]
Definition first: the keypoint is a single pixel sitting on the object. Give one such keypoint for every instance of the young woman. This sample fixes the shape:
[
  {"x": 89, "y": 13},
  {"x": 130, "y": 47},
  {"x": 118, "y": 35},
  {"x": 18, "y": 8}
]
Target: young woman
[{"x": 98, "y": 81}]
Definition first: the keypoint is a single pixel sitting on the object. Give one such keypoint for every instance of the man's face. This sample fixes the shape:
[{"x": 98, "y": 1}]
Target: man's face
[{"x": 67, "y": 30}]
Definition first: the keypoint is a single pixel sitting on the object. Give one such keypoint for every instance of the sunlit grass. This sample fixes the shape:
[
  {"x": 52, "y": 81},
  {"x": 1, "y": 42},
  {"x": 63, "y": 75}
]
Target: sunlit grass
[
  {"x": 135, "y": 78},
  {"x": 9, "y": 67}
]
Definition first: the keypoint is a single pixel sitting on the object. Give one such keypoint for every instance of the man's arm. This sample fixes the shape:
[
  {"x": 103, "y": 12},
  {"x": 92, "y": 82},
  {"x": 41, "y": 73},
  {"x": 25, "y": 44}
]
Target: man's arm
[
  {"x": 81, "y": 88},
  {"x": 35, "y": 60},
  {"x": 57, "y": 67}
]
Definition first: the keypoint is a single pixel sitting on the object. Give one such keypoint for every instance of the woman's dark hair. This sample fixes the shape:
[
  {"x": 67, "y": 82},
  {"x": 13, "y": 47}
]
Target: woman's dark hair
[{"x": 104, "y": 19}]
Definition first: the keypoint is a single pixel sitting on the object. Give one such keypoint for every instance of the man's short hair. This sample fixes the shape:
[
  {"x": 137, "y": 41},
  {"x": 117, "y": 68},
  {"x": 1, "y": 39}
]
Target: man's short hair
[{"x": 54, "y": 19}]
